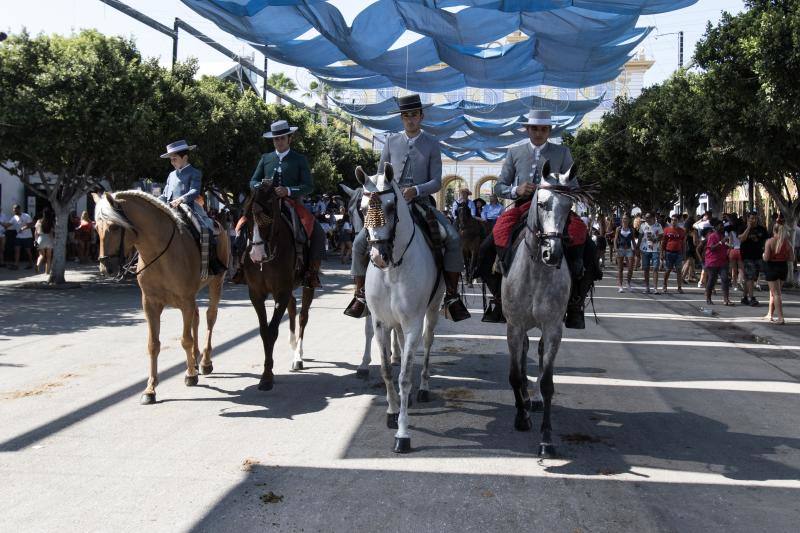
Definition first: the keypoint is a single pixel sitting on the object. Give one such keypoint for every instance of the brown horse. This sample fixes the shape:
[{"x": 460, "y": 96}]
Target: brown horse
[
  {"x": 472, "y": 232},
  {"x": 168, "y": 272},
  {"x": 270, "y": 268}
]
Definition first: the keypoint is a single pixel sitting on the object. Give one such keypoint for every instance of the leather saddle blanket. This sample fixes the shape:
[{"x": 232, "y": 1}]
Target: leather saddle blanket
[{"x": 200, "y": 233}]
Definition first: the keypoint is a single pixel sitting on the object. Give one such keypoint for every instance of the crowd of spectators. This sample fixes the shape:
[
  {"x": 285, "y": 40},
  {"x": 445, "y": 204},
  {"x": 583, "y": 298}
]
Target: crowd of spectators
[{"x": 735, "y": 251}]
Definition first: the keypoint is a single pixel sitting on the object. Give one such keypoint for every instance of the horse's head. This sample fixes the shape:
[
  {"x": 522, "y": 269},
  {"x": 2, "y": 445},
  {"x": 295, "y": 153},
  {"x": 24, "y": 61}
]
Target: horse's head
[
  {"x": 264, "y": 204},
  {"x": 380, "y": 204},
  {"x": 354, "y": 206},
  {"x": 463, "y": 214},
  {"x": 550, "y": 210},
  {"x": 117, "y": 234}
]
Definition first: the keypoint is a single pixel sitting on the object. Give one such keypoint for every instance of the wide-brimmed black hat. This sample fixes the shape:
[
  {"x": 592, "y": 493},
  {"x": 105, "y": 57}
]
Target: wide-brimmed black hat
[{"x": 410, "y": 102}]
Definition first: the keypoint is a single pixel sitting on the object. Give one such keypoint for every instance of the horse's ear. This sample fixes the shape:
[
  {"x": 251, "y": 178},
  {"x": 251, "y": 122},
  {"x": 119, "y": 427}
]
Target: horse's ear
[
  {"x": 546, "y": 169},
  {"x": 361, "y": 176},
  {"x": 573, "y": 172},
  {"x": 388, "y": 172},
  {"x": 109, "y": 198},
  {"x": 350, "y": 192}
]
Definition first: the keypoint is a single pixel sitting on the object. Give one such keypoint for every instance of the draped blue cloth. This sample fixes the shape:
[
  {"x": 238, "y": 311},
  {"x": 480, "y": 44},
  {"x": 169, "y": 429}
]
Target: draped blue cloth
[{"x": 570, "y": 43}]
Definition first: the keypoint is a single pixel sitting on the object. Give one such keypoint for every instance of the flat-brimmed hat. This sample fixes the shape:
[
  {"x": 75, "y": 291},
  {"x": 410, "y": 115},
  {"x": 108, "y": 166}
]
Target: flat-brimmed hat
[
  {"x": 279, "y": 128},
  {"x": 465, "y": 190},
  {"x": 410, "y": 102},
  {"x": 177, "y": 146},
  {"x": 538, "y": 117}
]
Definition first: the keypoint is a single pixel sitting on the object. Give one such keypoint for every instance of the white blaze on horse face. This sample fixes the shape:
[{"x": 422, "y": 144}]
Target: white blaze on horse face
[{"x": 257, "y": 251}]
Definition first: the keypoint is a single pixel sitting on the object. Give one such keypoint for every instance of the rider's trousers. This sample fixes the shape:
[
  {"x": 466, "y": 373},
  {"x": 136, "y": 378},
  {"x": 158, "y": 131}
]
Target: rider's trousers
[{"x": 453, "y": 258}]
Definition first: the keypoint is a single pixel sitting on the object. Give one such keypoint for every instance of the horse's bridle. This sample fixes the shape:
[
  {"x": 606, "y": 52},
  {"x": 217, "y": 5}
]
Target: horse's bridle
[
  {"x": 537, "y": 233},
  {"x": 368, "y": 223},
  {"x": 129, "y": 267},
  {"x": 272, "y": 252}
]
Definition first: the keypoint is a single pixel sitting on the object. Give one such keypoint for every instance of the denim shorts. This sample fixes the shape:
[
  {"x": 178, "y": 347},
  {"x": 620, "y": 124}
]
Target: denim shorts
[
  {"x": 624, "y": 252},
  {"x": 673, "y": 260},
  {"x": 650, "y": 259}
]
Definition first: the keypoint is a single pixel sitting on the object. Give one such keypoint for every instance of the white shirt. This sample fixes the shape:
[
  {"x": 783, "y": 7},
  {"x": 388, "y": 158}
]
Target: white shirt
[
  {"x": 537, "y": 150},
  {"x": 281, "y": 155},
  {"x": 3, "y": 220},
  {"x": 18, "y": 221},
  {"x": 648, "y": 231}
]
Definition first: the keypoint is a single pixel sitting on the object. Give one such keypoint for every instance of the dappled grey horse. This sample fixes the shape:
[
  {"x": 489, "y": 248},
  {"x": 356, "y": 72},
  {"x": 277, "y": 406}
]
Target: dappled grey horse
[
  {"x": 357, "y": 221},
  {"x": 535, "y": 294}
]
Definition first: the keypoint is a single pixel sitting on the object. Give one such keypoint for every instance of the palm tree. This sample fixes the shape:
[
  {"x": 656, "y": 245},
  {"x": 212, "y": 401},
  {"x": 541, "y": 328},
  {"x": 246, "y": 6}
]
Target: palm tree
[
  {"x": 321, "y": 90},
  {"x": 283, "y": 83}
]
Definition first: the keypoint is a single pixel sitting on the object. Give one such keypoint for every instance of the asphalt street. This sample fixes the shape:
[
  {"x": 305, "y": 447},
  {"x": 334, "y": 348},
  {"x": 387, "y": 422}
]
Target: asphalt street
[{"x": 665, "y": 419}]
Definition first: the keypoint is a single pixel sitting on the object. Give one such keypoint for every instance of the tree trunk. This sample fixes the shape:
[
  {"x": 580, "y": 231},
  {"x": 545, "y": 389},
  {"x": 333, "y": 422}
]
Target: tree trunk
[{"x": 61, "y": 211}]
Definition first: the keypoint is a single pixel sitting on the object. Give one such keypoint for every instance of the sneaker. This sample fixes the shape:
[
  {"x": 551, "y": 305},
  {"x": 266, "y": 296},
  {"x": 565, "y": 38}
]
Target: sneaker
[
  {"x": 628, "y": 286},
  {"x": 753, "y": 302},
  {"x": 620, "y": 289},
  {"x": 699, "y": 285},
  {"x": 745, "y": 300}
]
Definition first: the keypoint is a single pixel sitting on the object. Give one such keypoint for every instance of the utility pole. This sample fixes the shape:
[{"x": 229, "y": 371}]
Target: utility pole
[
  {"x": 680, "y": 57},
  {"x": 175, "y": 28},
  {"x": 266, "y": 63}
]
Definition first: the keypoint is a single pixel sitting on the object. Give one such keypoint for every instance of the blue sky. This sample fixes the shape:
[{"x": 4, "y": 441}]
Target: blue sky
[{"x": 64, "y": 16}]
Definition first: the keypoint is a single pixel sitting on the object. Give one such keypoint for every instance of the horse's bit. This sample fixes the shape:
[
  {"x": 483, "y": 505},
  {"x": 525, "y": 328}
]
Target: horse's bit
[{"x": 376, "y": 218}]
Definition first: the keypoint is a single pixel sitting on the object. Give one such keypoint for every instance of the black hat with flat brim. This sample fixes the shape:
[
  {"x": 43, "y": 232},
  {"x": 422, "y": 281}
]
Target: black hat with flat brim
[{"x": 410, "y": 102}]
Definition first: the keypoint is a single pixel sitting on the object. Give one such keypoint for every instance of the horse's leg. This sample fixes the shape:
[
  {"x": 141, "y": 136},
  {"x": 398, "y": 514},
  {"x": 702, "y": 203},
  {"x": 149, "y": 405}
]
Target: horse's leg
[
  {"x": 258, "y": 301},
  {"x": 291, "y": 308},
  {"x": 152, "y": 313},
  {"x": 308, "y": 297},
  {"x": 397, "y": 346},
  {"x": 369, "y": 333},
  {"x": 214, "y": 296},
  {"x": 431, "y": 318},
  {"x": 383, "y": 336},
  {"x": 538, "y": 402},
  {"x": 517, "y": 349},
  {"x": 189, "y": 312},
  {"x": 402, "y": 440},
  {"x": 196, "y": 336},
  {"x": 551, "y": 340}
]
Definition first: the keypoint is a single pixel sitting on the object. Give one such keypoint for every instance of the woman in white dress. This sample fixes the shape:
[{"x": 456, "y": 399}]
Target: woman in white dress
[{"x": 45, "y": 237}]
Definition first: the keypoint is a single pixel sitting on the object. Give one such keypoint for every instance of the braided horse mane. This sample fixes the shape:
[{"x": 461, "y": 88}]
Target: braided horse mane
[{"x": 152, "y": 200}]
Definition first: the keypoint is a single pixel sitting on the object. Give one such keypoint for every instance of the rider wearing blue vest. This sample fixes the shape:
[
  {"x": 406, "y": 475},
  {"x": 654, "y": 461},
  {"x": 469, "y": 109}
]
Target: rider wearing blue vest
[
  {"x": 416, "y": 157},
  {"x": 183, "y": 187}
]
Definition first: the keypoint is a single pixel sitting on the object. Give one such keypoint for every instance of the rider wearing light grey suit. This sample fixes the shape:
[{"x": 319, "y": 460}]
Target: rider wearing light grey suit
[
  {"x": 524, "y": 164},
  {"x": 417, "y": 160}
]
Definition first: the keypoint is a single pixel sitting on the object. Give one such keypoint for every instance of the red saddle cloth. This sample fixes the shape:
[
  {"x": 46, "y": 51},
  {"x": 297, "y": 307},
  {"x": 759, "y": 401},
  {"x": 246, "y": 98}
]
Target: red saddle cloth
[
  {"x": 504, "y": 227},
  {"x": 305, "y": 216}
]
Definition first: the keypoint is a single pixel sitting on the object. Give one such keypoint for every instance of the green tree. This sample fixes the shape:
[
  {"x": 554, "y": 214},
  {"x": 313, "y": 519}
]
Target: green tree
[
  {"x": 75, "y": 111},
  {"x": 283, "y": 83}
]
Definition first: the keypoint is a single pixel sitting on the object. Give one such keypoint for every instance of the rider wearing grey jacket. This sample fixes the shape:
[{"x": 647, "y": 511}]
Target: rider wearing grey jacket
[{"x": 418, "y": 160}]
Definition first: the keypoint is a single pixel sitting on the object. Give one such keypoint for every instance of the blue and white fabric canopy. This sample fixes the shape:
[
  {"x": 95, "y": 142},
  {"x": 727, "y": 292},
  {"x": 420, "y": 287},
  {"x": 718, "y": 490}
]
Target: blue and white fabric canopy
[{"x": 452, "y": 44}]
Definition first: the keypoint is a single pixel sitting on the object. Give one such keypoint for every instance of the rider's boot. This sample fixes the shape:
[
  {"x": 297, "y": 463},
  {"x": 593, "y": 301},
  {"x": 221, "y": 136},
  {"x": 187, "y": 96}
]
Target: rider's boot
[
  {"x": 239, "y": 247},
  {"x": 494, "y": 310},
  {"x": 311, "y": 280},
  {"x": 581, "y": 283},
  {"x": 358, "y": 306},
  {"x": 214, "y": 264},
  {"x": 453, "y": 308}
]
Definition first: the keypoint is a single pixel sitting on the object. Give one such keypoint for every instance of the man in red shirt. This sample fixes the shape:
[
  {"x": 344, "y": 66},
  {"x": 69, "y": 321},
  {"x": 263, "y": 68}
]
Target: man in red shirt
[{"x": 673, "y": 250}]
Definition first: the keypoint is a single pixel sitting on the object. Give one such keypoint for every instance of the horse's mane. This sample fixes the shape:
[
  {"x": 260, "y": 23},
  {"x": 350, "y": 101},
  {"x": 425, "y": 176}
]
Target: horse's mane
[{"x": 105, "y": 211}]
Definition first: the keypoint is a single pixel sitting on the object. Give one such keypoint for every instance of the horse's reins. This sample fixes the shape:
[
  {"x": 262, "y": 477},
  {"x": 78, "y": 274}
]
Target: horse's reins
[
  {"x": 376, "y": 220},
  {"x": 128, "y": 268}
]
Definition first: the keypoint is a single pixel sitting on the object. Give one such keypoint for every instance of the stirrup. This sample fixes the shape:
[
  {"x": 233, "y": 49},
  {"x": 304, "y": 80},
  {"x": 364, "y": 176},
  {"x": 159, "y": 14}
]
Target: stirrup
[
  {"x": 493, "y": 313},
  {"x": 454, "y": 309}
]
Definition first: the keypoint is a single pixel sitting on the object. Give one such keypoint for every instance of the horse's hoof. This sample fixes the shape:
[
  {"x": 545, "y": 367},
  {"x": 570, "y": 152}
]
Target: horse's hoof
[
  {"x": 297, "y": 365},
  {"x": 536, "y": 406},
  {"x": 362, "y": 373},
  {"x": 265, "y": 384},
  {"x": 206, "y": 370},
  {"x": 391, "y": 420},
  {"x": 402, "y": 445},
  {"x": 522, "y": 422},
  {"x": 190, "y": 381},
  {"x": 148, "y": 398},
  {"x": 547, "y": 451},
  {"x": 423, "y": 396}
]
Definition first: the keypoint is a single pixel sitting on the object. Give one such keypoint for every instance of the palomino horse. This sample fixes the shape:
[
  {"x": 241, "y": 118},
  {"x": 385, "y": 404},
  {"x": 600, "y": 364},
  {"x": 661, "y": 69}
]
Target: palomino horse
[
  {"x": 403, "y": 291},
  {"x": 472, "y": 232},
  {"x": 270, "y": 268},
  {"x": 168, "y": 272},
  {"x": 357, "y": 221},
  {"x": 535, "y": 294}
]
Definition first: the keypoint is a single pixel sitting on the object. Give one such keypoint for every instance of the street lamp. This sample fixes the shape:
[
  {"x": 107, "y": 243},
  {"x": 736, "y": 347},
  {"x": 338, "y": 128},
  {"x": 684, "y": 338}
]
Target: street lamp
[{"x": 680, "y": 50}]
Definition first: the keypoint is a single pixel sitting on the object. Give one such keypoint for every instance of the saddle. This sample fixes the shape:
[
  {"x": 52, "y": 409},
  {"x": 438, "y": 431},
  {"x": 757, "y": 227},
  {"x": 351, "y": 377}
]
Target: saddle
[
  {"x": 432, "y": 230},
  {"x": 200, "y": 233}
]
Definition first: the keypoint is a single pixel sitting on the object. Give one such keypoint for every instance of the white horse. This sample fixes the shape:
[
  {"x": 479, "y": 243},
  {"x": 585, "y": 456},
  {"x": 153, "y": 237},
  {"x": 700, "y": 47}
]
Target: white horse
[
  {"x": 402, "y": 291},
  {"x": 357, "y": 221},
  {"x": 535, "y": 294}
]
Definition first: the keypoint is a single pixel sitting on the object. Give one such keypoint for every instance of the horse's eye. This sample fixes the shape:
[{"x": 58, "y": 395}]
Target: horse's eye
[{"x": 113, "y": 228}]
